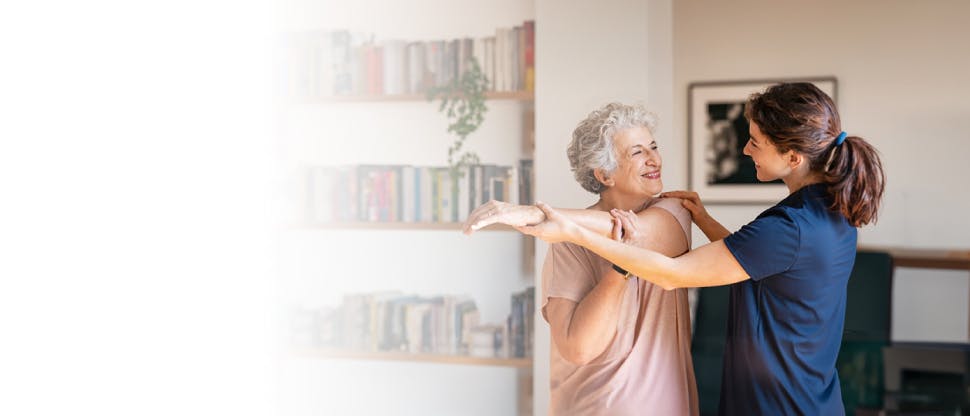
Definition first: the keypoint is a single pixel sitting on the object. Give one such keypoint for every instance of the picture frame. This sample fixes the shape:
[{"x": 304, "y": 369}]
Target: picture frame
[{"x": 717, "y": 131}]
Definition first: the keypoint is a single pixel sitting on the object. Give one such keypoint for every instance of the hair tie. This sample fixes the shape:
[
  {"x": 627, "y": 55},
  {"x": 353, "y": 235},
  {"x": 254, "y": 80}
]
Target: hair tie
[{"x": 840, "y": 139}]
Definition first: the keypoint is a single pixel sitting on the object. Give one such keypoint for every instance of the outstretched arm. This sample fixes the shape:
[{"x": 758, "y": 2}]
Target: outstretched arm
[
  {"x": 709, "y": 265},
  {"x": 498, "y": 212}
]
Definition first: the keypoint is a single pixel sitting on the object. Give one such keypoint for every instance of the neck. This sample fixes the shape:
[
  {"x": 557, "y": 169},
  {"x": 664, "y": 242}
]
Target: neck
[
  {"x": 609, "y": 200},
  {"x": 797, "y": 181}
]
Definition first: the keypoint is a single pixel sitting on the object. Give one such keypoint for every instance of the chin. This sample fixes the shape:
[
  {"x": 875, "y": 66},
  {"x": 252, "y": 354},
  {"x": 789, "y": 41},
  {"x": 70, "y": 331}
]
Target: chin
[{"x": 763, "y": 178}]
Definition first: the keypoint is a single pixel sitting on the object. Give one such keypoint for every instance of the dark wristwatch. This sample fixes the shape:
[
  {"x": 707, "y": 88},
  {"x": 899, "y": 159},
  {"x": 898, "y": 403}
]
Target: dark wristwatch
[{"x": 626, "y": 275}]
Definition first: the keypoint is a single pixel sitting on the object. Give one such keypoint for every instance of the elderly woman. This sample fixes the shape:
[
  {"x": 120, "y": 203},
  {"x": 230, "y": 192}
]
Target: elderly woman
[{"x": 620, "y": 345}]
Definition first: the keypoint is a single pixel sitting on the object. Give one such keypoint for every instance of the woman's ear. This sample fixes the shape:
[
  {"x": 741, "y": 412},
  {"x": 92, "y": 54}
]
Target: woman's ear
[
  {"x": 795, "y": 159},
  {"x": 603, "y": 178}
]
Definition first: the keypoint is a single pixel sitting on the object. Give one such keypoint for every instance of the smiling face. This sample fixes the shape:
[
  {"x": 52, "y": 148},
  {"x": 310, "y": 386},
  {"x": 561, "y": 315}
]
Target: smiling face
[
  {"x": 638, "y": 164},
  {"x": 769, "y": 163}
]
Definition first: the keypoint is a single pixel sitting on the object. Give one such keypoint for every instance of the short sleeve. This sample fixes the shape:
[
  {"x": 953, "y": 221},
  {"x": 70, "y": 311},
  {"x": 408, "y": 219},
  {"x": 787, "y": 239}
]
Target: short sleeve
[
  {"x": 766, "y": 246},
  {"x": 676, "y": 208},
  {"x": 567, "y": 273}
]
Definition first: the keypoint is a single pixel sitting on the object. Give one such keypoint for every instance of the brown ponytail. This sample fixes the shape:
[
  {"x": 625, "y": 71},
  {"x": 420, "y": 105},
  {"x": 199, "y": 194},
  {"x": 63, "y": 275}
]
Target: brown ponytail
[
  {"x": 856, "y": 181},
  {"x": 800, "y": 117}
]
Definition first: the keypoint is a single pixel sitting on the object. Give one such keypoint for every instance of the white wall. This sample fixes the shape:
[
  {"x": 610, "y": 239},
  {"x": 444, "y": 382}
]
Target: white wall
[
  {"x": 588, "y": 54},
  {"x": 902, "y": 78},
  {"x": 137, "y": 215}
]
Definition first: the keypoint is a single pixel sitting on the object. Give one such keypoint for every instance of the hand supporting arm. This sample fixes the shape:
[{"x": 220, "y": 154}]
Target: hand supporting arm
[
  {"x": 710, "y": 265},
  {"x": 498, "y": 212},
  {"x": 707, "y": 224}
]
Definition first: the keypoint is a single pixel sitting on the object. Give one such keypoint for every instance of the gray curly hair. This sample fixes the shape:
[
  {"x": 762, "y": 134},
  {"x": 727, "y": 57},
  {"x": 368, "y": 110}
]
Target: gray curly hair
[{"x": 592, "y": 145}]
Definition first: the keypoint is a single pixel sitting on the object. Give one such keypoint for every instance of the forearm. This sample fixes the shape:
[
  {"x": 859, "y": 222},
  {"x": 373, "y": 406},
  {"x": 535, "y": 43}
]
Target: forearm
[
  {"x": 594, "y": 321},
  {"x": 599, "y": 222},
  {"x": 709, "y": 265},
  {"x": 711, "y": 228},
  {"x": 646, "y": 264}
]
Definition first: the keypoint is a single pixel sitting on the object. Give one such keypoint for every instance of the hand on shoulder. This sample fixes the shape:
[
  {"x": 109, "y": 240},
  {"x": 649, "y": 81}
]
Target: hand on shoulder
[{"x": 690, "y": 201}]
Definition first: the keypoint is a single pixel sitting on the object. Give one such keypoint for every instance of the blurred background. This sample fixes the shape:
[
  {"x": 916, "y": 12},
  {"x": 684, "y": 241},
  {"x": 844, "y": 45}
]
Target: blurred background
[{"x": 216, "y": 207}]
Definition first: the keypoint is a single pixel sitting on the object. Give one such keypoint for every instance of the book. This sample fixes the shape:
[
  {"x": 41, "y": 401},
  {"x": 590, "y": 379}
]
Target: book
[
  {"x": 417, "y": 73},
  {"x": 529, "y": 26},
  {"x": 395, "y": 67}
]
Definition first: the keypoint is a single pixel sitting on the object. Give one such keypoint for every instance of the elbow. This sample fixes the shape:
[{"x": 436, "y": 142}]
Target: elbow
[
  {"x": 667, "y": 284},
  {"x": 580, "y": 358},
  {"x": 579, "y": 355},
  {"x": 670, "y": 282}
]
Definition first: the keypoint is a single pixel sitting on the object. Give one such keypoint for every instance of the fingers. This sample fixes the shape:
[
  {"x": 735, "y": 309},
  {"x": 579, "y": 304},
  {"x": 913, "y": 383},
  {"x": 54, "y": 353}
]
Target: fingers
[
  {"x": 690, "y": 205},
  {"x": 533, "y": 230},
  {"x": 617, "y": 233},
  {"x": 551, "y": 214},
  {"x": 691, "y": 195},
  {"x": 627, "y": 219},
  {"x": 484, "y": 222},
  {"x": 477, "y": 222},
  {"x": 689, "y": 200},
  {"x": 483, "y": 216},
  {"x": 469, "y": 226}
]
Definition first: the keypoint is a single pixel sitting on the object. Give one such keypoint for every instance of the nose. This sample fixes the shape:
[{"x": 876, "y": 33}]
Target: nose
[
  {"x": 747, "y": 144},
  {"x": 653, "y": 158}
]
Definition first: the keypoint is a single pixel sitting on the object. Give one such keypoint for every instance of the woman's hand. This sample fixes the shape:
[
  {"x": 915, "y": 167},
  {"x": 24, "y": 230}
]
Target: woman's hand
[
  {"x": 555, "y": 228},
  {"x": 498, "y": 212},
  {"x": 691, "y": 201},
  {"x": 626, "y": 227},
  {"x": 708, "y": 225}
]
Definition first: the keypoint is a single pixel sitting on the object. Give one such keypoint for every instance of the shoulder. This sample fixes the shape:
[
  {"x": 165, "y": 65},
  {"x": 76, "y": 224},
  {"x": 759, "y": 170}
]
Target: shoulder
[
  {"x": 789, "y": 217},
  {"x": 667, "y": 215},
  {"x": 674, "y": 207},
  {"x": 775, "y": 227},
  {"x": 769, "y": 245},
  {"x": 779, "y": 216}
]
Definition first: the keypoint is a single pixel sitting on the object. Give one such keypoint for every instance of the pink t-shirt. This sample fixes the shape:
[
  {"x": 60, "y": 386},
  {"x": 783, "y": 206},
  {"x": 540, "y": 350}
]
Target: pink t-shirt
[{"x": 647, "y": 369}]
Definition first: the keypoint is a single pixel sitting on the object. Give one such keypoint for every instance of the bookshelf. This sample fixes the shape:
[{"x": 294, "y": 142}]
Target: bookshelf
[
  {"x": 401, "y": 131},
  {"x": 524, "y": 363},
  {"x": 490, "y": 95},
  {"x": 364, "y": 225}
]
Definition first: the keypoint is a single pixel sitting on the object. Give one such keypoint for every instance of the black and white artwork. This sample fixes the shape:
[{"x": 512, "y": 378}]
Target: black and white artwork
[{"x": 717, "y": 133}]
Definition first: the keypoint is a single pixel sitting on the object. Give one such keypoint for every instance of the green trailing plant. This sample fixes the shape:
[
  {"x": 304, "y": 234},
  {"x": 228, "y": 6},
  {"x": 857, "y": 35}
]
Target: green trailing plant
[{"x": 463, "y": 101}]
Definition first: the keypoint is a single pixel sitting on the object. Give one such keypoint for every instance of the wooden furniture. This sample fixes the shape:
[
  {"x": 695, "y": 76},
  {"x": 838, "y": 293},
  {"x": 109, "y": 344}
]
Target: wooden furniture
[
  {"x": 929, "y": 359},
  {"x": 926, "y": 258}
]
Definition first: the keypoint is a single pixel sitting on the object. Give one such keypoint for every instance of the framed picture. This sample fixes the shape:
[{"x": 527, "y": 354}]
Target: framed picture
[{"x": 717, "y": 131}]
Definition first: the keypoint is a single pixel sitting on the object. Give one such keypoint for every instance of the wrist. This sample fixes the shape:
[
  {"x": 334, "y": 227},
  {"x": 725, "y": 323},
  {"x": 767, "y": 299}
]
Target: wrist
[
  {"x": 704, "y": 219},
  {"x": 536, "y": 215},
  {"x": 622, "y": 272},
  {"x": 614, "y": 280}
]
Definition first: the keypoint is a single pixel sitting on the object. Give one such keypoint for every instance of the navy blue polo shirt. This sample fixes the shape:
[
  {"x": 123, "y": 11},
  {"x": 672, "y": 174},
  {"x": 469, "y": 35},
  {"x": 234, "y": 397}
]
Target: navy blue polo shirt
[{"x": 785, "y": 323}]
